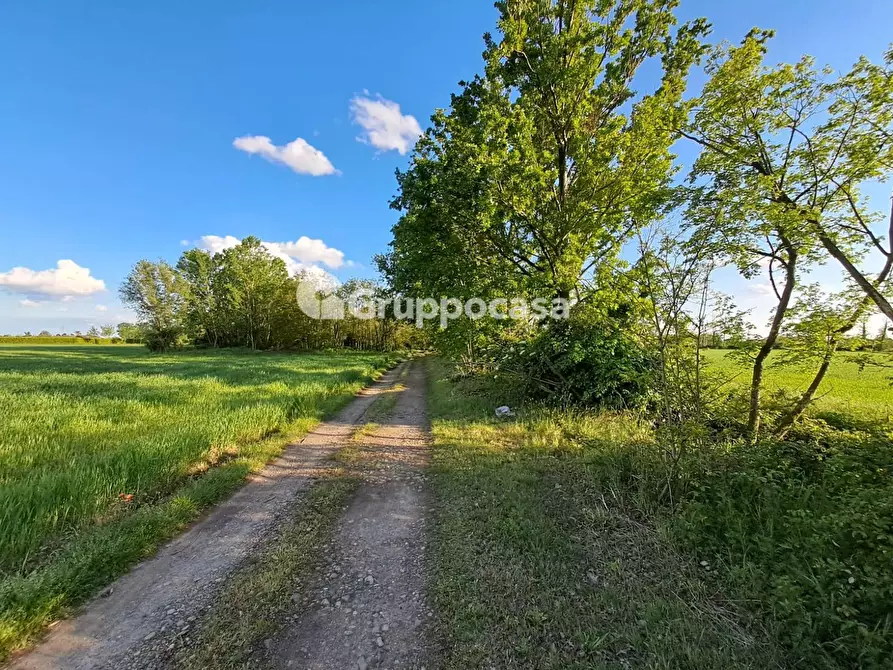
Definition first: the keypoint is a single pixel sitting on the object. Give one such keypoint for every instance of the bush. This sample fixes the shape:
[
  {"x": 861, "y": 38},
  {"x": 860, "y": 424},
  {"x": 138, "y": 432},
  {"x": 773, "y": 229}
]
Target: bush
[
  {"x": 164, "y": 339},
  {"x": 574, "y": 362},
  {"x": 54, "y": 339}
]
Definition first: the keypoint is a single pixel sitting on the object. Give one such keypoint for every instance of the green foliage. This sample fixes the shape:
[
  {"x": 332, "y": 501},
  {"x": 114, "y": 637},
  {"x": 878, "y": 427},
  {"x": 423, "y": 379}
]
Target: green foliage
[
  {"x": 580, "y": 362},
  {"x": 545, "y": 165},
  {"x": 56, "y": 339},
  {"x": 784, "y": 152},
  {"x": 131, "y": 333},
  {"x": 160, "y": 340},
  {"x": 805, "y": 526},
  {"x": 251, "y": 289},
  {"x": 532, "y": 181},
  {"x": 156, "y": 292},
  {"x": 242, "y": 296}
]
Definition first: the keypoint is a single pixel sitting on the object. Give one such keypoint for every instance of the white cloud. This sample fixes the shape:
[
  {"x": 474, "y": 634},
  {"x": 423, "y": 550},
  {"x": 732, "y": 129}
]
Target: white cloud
[
  {"x": 763, "y": 288},
  {"x": 101, "y": 308},
  {"x": 303, "y": 250},
  {"x": 311, "y": 251},
  {"x": 216, "y": 244},
  {"x": 29, "y": 303},
  {"x": 303, "y": 255},
  {"x": 298, "y": 154},
  {"x": 385, "y": 127},
  {"x": 66, "y": 279}
]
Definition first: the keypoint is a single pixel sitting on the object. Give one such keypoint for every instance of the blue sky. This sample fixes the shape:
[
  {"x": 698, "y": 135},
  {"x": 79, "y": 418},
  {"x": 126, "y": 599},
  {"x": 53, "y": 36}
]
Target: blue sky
[{"x": 118, "y": 122}]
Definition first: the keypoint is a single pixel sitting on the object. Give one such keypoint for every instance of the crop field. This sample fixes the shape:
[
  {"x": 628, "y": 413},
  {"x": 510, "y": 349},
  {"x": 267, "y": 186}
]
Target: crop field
[
  {"x": 107, "y": 450},
  {"x": 849, "y": 389}
]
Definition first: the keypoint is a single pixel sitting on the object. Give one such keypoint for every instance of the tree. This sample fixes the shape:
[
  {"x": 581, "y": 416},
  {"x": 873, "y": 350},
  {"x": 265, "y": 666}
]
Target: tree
[
  {"x": 93, "y": 332},
  {"x": 784, "y": 151},
  {"x": 197, "y": 268},
  {"x": 674, "y": 281},
  {"x": 107, "y": 330},
  {"x": 45, "y": 333},
  {"x": 792, "y": 144},
  {"x": 252, "y": 288},
  {"x": 156, "y": 293},
  {"x": 766, "y": 242},
  {"x": 880, "y": 343},
  {"x": 544, "y": 166},
  {"x": 130, "y": 332}
]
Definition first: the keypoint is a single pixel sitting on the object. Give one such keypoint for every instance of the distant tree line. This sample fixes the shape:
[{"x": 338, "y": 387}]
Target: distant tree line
[
  {"x": 242, "y": 297},
  {"x": 128, "y": 333}
]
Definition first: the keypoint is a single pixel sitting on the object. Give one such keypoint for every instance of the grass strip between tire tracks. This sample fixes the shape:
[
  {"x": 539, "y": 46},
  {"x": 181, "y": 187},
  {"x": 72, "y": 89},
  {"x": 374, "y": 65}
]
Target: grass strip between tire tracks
[{"x": 252, "y": 605}]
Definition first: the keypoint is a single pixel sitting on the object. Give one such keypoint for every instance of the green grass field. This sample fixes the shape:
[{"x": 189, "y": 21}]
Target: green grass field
[
  {"x": 107, "y": 451},
  {"x": 539, "y": 558},
  {"x": 865, "y": 394},
  {"x": 555, "y": 543}
]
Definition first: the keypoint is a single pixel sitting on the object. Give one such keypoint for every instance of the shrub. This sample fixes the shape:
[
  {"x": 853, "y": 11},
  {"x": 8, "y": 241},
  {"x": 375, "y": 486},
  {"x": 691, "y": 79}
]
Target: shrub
[
  {"x": 55, "y": 339},
  {"x": 164, "y": 339},
  {"x": 576, "y": 362}
]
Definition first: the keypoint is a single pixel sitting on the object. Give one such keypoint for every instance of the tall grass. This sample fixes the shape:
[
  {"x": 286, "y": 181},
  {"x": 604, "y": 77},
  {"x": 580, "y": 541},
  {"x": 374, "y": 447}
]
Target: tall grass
[{"x": 106, "y": 451}]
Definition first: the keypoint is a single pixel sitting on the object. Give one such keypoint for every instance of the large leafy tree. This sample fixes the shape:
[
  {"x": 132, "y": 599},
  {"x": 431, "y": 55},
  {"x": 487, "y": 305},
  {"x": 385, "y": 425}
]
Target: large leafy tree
[
  {"x": 156, "y": 293},
  {"x": 252, "y": 289},
  {"x": 784, "y": 152},
  {"x": 197, "y": 268},
  {"x": 544, "y": 166},
  {"x": 790, "y": 146}
]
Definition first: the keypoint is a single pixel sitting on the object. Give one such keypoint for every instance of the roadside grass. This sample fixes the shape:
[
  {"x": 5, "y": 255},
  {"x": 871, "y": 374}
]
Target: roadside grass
[
  {"x": 539, "y": 556},
  {"x": 252, "y": 604},
  {"x": 847, "y": 391},
  {"x": 785, "y": 542},
  {"x": 105, "y": 452},
  {"x": 803, "y": 530}
]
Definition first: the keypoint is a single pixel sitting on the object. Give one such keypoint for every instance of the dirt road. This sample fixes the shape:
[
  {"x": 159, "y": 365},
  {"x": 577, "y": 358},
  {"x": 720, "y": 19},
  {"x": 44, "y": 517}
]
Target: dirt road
[
  {"x": 370, "y": 607},
  {"x": 367, "y": 606}
]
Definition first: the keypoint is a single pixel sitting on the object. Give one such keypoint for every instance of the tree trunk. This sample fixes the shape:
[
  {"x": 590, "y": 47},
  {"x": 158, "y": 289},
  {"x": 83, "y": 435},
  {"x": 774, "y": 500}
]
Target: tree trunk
[
  {"x": 562, "y": 172},
  {"x": 753, "y": 419},
  {"x": 840, "y": 256},
  {"x": 806, "y": 399},
  {"x": 864, "y": 283}
]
